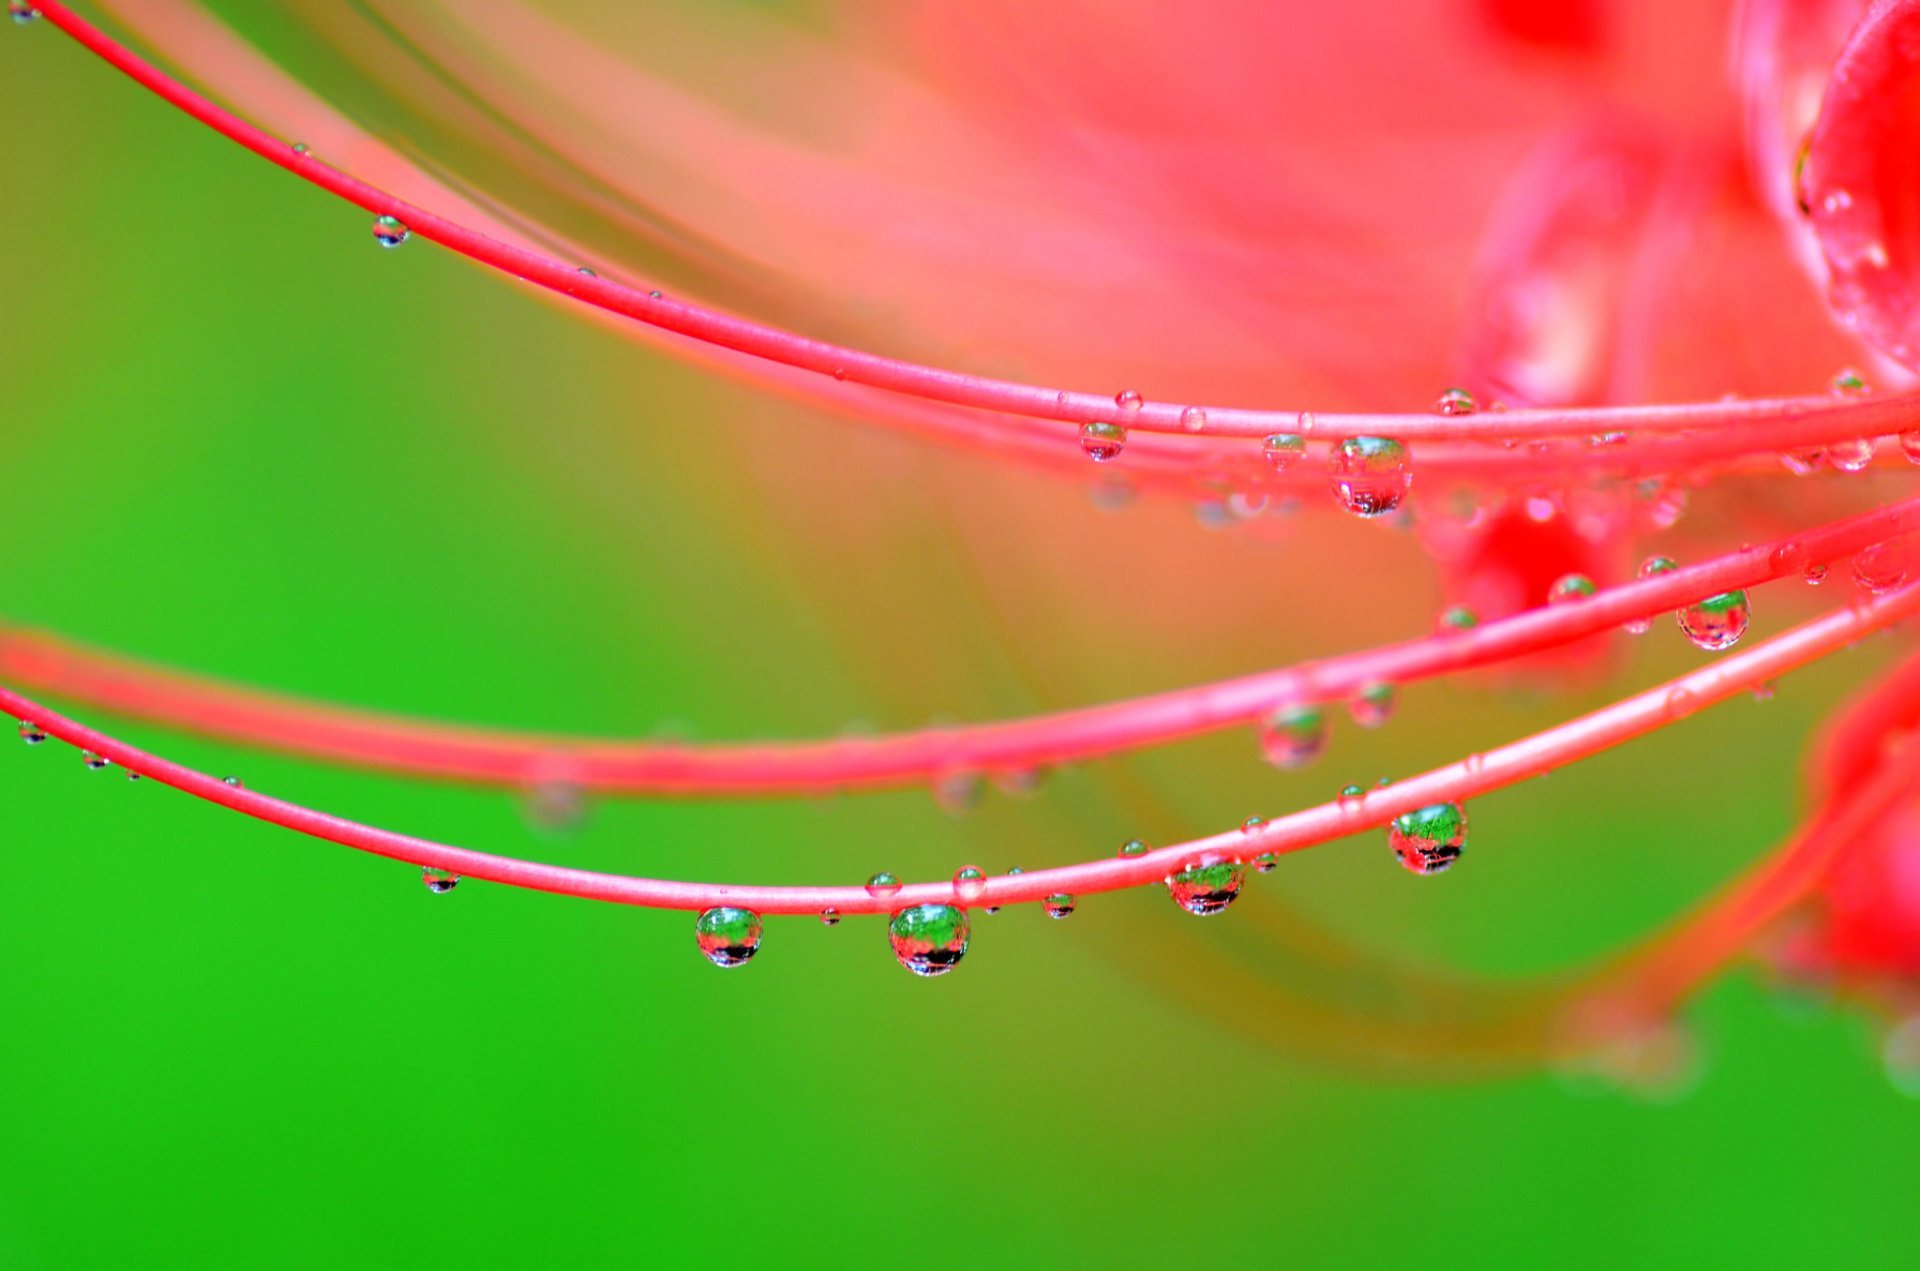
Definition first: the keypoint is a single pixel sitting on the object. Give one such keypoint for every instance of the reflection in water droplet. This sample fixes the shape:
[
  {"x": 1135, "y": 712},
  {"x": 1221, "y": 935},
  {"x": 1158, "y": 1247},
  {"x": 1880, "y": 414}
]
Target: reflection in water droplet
[
  {"x": 1651, "y": 567},
  {"x": 390, "y": 231},
  {"x": 1854, "y": 454},
  {"x": 31, "y": 733},
  {"x": 883, "y": 885},
  {"x": 235, "y": 782},
  {"x": 1102, "y": 442},
  {"x": 727, "y": 937},
  {"x": 1371, "y": 475},
  {"x": 22, "y": 12},
  {"x": 1459, "y": 618},
  {"x": 1429, "y": 840},
  {"x": 1373, "y": 705},
  {"x": 1816, "y": 574},
  {"x": 1716, "y": 622},
  {"x": 829, "y": 917},
  {"x": 1135, "y": 847},
  {"x": 1569, "y": 588},
  {"x": 1910, "y": 445},
  {"x": 93, "y": 761},
  {"x": 969, "y": 884},
  {"x": 1455, "y": 401},
  {"x": 439, "y": 881},
  {"x": 1283, "y": 450},
  {"x": 1127, "y": 399},
  {"x": 1803, "y": 463},
  {"x": 1848, "y": 383},
  {"x": 1293, "y": 736},
  {"x": 1266, "y": 861},
  {"x": 929, "y": 940},
  {"x": 1207, "y": 887},
  {"x": 1058, "y": 905}
]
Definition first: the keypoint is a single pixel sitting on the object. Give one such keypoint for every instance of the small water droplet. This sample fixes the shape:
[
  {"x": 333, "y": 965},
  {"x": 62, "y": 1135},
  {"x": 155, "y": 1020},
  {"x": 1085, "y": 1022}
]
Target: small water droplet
[
  {"x": 1193, "y": 419},
  {"x": 132, "y": 775},
  {"x": 390, "y": 231},
  {"x": 969, "y": 884},
  {"x": 1803, "y": 463},
  {"x": 1373, "y": 705},
  {"x": 727, "y": 937},
  {"x": 1816, "y": 574},
  {"x": 653, "y": 295},
  {"x": 1651, "y": 567},
  {"x": 1127, "y": 399},
  {"x": 1681, "y": 702},
  {"x": 235, "y": 782},
  {"x": 1253, "y": 825},
  {"x": 1429, "y": 840},
  {"x": 31, "y": 733},
  {"x": 1283, "y": 450},
  {"x": 1266, "y": 862},
  {"x": 1882, "y": 567},
  {"x": 1848, "y": 382},
  {"x": 93, "y": 761},
  {"x": 439, "y": 881},
  {"x": 929, "y": 940},
  {"x": 1456, "y": 401},
  {"x": 1293, "y": 736},
  {"x": 584, "y": 272},
  {"x": 302, "y": 149},
  {"x": 1717, "y": 622},
  {"x": 1569, "y": 588},
  {"x": 883, "y": 885},
  {"x": 829, "y": 917},
  {"x": 1371, "y": 475},
  {"x": 1459, "y": 618},
  {"x": 1207, "y": 886},
  {"x": 22, "y": 12},
  {"x": 1351, "y": 796},
  {"x": 1852, "y": 455},
  {"x": 1135, "y": 847},
  {"x": 1058, "y": 905},
  {"x": 1103, "y": 442}
]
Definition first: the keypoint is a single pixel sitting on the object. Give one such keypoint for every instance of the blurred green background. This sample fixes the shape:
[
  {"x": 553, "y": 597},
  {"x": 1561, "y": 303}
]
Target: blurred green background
[{"x": 238, "y": 438}]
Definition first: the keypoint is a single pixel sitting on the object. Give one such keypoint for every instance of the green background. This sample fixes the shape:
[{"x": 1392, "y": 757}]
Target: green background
[{"x": 236, "y": 437}]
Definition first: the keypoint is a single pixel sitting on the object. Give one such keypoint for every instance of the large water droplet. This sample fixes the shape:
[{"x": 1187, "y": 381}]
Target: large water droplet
[
  {"x": 390, "y": 231},
  {"x": 1717, "y": 622},
  {"x": 1847, "y": 383},
  {"x": 1373, "y": 705},
  {"x": 1293, "y": 736},
  {"x": 969, "y": 884},
  {"x": 1455, "y": 401},
  {"x": 1058, "y": 905},
  {"x": 438, "y": 881},
  {"x": 929, "y": 939},
  {"x": 1283, "y": 450},
  {"x": 1208, "y": 886},
  {"x": 883, "y": 885},
  {"x": 1429, "y": 840},
  {"x": 31, "y": 733},
  {"x": 1103, "y": 442},
  {"x": 1370, "y": 474},
  {"x": 727, "y": 937}
]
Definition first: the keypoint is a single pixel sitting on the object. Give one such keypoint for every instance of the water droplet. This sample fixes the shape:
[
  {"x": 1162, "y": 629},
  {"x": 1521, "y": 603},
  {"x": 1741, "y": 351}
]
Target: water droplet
[
  {"x": 302, "y": 149},
  {"x": 1293, "y": 736},
  {"x": 94, "y": 762},
  {"x": 390, "y": 231},
  {"x": 132, "y": 775},
  {"x": 1370, "y": 474},
  {"x": 1848, "y": 383},
  {"x": 1103, "y": 442},
  {"x": 1127, "y": 399},
  {"x": 1651, "y": 567},
  {"x": 929, "y": 939},
  {"x": 1135, "y": 847},
  {"x": 727, "y": 937},
  {"x": 1455, "y": 401},
  {"x": 840, "y": 374},
  {"x": 1803, "y": 463},
  {"x": 1193, "y": 419},
  {"x": 235, "y": 782},
  {"x": 21, "y": 12},
  {"x": 1429, "y": 840},
  {"x": 31, "y": 733},
  {"x": 1910, "y": 445},
  {"x": 1058, "y": 905},
  {"x": 1816, "y": 574},
  {"x": 1570, "y": 587},
  {"x": 1459, "y": 618},
  {"x": 1373, "y": 705},
  {"x": 1716, "y": 622},
  {"x": 1351, "y": 794},
  {"x": 1852, "y": 455},
  {"x": 829, "y": 917},
  {"x": 1253, "y": 825},
  {"x": 653, "y": 295},
  {"x": 584, "y": 272},
  {"x": 1266, "y": 862},
  {"x": 1682, "y": 702},
  {"x": 439, "y": 881},
  {"x": 1283, "y": 450},
  {"x": 1304, "y": 422},
  {"x": 1882, "y": 567},
  {"x": 883, "y": 885},
  {"x": 969, "y": 884},
  {"x": 1208, "y": 886},
  {"x": 957, "y": 793}
]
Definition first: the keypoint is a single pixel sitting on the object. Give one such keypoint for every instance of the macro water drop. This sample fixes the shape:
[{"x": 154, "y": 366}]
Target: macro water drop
[
  {"x": 969, "y": 884},
  {"x": 1293, "y": 736},
  {"x": 829, "y": 917},
  {"x": 1854, "y": 454},
  {"x": 1058, "y": 905},
  {"x": 235, "y": 782},
  {"x": 1459, "y": 618},
  {"x": 929, "y": 940},
  {"x": 883, "y": 885},
  {"x": 1717, "y": 622},
  {"x": 1127, "y": 399},
  {"x": 1135, "y": 847},
  {"x": 31, "y": 733},
  {"x": 390, "y": 231},
  {"x": 1456, "y": 401},
  {"x": 1373, "y": 705},
  {"x": 1848, "y": 383},
  {"x": 1370, "y": 475},
  {"x": 1882, "y": 567},
  {"x": 1207, "y": 886},
  {"x": 1569, "y": 588},
  {"x": 1429, "y": 840},
  {"x": 727, "y": 937},
  {"x": 1283, "y": 450},
  {"x": 438, "y": 881},
  {"x": 1651, "y": 567},
  {"x": 1193, "y": 419},
  {"x": 1103, "y": 442},
  {"x": 958, "y": 793},
  {"x": 1803, "y": 463},
  {"x": 1266, "y": 862},
  {"x": 94, "y": 762}
]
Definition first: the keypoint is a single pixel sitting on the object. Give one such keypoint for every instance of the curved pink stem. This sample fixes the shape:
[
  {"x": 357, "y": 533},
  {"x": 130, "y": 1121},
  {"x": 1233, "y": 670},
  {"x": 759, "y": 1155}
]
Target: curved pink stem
[{"x": 1477, "y": 774}]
